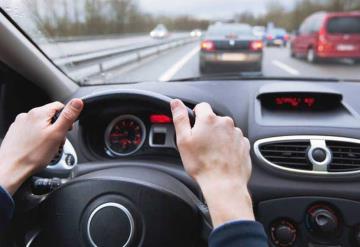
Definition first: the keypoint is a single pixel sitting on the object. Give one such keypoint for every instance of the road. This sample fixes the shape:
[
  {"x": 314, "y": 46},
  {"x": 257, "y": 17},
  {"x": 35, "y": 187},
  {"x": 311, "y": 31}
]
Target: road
[{"x": 183, "y": 62}]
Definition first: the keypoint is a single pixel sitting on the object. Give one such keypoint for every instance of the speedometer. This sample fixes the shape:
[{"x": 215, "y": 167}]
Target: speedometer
[{"x": 125, "y": 135}]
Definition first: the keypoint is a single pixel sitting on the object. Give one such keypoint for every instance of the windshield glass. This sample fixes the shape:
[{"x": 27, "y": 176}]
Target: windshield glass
[{"x": 124, "y": 41}]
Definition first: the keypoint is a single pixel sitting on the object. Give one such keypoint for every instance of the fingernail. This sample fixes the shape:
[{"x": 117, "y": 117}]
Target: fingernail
[
  {"x": 76, "y": 103},
  {"x": 174, "y": 104}
]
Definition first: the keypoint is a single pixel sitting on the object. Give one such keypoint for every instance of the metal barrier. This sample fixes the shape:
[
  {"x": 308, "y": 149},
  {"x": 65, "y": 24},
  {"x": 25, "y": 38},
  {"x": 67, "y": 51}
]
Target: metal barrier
[{"x": 82, "y": 66}]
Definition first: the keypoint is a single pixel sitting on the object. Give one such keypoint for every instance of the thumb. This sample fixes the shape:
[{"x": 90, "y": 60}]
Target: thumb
[
  {"x": 69, "y": 114},
  {"x": 180, "y": 119}
]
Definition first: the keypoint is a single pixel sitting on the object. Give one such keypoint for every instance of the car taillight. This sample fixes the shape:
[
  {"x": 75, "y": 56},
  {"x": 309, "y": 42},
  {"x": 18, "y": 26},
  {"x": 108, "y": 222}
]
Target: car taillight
[
  {"x": 208, "y": 45},
  {"x": 323, "y": 43},
  {"x": 256, "y": 45},
  {"x": 269, "y": 37},
  {"x": 322, "y": 35}
]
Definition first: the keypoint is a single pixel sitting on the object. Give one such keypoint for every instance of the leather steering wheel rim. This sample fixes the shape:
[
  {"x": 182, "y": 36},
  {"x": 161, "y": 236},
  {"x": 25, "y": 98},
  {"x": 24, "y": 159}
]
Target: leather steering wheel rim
[{"x": 152, "y": 98}]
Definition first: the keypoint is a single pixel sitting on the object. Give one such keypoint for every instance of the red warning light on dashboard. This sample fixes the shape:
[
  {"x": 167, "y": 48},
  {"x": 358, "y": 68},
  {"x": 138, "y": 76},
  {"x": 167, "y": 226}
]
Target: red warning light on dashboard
[
  {"x": 295, "y": 102},
  {"x": 160, "y": 119}
]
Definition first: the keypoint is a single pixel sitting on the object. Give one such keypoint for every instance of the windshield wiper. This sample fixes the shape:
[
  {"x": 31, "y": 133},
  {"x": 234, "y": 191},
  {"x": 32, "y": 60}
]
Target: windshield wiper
[
  {"x": 222, "y": 76},
  {"x": 104, "y": 82},
  {"x": 254, "y": 76}
]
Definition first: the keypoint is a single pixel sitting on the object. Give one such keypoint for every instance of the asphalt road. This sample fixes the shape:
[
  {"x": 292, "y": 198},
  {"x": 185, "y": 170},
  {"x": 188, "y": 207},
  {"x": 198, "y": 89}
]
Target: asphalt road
[{"x": 183, "y": 62}]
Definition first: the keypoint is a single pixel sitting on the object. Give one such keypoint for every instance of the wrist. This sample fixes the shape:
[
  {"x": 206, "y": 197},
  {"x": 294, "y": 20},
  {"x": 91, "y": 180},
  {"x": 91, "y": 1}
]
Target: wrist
[
  {"x": 13, "y": 174},
  {"x": 227, "y": 201}
]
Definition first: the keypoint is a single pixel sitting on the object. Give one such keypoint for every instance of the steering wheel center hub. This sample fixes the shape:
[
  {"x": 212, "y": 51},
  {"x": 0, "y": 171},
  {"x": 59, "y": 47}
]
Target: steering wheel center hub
[{"x": 110, "y": 224}]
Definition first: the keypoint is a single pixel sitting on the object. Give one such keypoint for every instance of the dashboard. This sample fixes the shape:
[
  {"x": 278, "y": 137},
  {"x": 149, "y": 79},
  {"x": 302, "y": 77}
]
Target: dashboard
[{"x": 305, "y": 140}]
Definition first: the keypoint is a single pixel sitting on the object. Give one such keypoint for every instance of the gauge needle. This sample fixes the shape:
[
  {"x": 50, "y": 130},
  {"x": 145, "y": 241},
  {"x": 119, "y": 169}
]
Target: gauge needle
[{"x": 119, "y": 134}]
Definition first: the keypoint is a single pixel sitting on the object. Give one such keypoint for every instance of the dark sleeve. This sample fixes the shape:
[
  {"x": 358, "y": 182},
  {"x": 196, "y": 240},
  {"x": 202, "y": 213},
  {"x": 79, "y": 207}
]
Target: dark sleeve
[
  {"x": 239, "y": 234},
  {"x": 6, "y": 208}
]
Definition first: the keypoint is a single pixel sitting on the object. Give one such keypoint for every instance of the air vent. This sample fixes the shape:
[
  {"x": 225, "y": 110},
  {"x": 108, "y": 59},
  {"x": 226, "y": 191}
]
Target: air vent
[
  {"x": 289, "y": 154},
  {"x": 322, "y": 155},
  {"x": 345, "y": 156}
]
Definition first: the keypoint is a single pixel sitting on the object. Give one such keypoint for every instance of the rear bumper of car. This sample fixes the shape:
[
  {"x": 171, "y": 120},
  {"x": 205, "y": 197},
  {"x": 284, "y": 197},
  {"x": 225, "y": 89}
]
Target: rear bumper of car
[
  {"x": 231, "y": 58},
  {"x": 338, "y": 55},
  {"x": 338, "y": 51},
  {"x": 215, "y": 62},
  {"x": 276, "y": 42}
]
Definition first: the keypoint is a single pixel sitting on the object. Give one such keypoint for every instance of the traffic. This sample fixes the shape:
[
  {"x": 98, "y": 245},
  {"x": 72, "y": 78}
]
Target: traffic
[{"x": 323, "y": 41}]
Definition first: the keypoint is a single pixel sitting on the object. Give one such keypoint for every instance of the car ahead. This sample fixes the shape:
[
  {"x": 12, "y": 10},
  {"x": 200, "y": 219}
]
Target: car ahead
[
  {"x": 196, "y": 33},
  {"x": 159, "y": 32},
  {"x": 230, "y": 47},
  {"x": 276, "y": 37},
  {"x": 328, "y": 36}
]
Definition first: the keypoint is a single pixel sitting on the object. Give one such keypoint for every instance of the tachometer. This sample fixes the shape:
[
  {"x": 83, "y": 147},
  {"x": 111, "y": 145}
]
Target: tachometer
[{"x": 125, "y": 135}]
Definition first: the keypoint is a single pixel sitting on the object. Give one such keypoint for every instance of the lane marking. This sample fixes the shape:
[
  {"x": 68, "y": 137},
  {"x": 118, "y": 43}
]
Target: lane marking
[
  {"x": 178, "y": 66},
  {"x": 285, "y": 67}
]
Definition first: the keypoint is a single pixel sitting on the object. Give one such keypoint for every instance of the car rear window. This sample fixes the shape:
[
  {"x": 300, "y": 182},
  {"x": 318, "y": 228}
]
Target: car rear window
[
  {"x": 278, "y": 31},
  {"x": 240, "y": 30},
  {"x": 350, "y": 25}
]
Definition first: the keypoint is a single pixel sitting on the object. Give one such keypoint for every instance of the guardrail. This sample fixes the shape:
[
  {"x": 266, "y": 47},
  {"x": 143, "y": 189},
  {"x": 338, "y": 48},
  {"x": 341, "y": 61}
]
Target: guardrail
[
  {"x": 90, "y": 37},
  {"x": 82, "y": 66}
]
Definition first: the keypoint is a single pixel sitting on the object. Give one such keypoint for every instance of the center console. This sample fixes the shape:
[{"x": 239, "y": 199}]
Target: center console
[{"x": 307, "y": 150}]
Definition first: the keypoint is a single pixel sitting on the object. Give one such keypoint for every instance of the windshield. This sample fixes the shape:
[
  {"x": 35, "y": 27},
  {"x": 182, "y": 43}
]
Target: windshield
[{"x": 125, "y": 41}]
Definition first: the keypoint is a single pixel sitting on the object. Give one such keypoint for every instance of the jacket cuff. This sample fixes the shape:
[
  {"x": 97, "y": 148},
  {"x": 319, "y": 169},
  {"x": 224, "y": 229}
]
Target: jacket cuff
[
  {"x": 239, "y": 234},
  {"x": 7, "y": 206}
]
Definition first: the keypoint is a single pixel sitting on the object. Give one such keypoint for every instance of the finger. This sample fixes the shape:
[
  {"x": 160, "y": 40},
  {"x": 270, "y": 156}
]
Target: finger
[
  {"x": 54, "y": 106},
  {"x": 228, "y": 121},
  {"x": 47, "y": 110},
  {"x": 63, "y": 142},
  {"x": 239, "y": 131},
  {"x": 180, "y": 118},
  {"x": 20, "y": 116},
  {"x": 69, "y": 115},
  {"x": 247, "y": 143},
  {"x": 203, "y": 111}
]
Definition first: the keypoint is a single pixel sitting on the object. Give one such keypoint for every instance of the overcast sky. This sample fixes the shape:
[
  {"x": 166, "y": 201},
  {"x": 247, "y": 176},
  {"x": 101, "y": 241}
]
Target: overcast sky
[{"x": 208, "y": 8}]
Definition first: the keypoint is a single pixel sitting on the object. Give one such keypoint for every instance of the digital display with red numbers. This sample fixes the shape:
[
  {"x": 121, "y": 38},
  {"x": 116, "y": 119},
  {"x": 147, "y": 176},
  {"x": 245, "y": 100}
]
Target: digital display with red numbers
[
  {"x": 296, "y": 102},
  {"x": 300, "y": 101}
]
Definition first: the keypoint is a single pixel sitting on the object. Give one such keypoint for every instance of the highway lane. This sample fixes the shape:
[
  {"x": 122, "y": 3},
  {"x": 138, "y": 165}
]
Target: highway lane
[
  {"x": 183, "y": 62},
  {"x": 277, "y": 61}
]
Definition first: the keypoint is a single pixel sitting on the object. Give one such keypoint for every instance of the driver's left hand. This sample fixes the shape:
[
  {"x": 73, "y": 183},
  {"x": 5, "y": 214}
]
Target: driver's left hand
[{"x": 32, "y": 141}]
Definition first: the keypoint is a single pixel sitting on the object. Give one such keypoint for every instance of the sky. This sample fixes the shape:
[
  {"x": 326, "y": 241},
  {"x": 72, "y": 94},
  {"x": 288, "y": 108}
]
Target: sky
[{"x": 208, "y": 8}]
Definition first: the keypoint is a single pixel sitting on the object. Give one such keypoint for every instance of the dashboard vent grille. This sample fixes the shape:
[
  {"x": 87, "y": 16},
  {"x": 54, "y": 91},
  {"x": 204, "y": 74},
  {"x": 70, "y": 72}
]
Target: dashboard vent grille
[
  {"x": 289, "y": 154},
  {"x": 345, "y": 156}
]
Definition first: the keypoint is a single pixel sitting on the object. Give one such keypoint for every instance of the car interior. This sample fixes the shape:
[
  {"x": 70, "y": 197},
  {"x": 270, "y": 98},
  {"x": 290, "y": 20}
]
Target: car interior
[{"x": 305, "y": 151}]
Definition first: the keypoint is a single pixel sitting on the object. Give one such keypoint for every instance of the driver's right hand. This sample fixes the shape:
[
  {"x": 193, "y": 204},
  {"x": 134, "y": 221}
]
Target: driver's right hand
[{"x": 216, "y": 154}]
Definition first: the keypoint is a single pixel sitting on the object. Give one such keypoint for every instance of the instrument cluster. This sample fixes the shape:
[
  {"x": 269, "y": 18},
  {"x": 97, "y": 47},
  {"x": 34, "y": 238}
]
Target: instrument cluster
[{"x": 129, "y": 134}]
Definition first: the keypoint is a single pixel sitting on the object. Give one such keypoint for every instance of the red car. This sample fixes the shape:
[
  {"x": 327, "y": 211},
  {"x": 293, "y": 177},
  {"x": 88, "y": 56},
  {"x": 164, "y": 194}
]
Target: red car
[{"x": 328, "y": 36}]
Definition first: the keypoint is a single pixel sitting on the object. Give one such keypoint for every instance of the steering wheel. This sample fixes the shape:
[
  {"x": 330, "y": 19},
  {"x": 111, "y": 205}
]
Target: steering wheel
[{"x": 125, "y": 205}]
